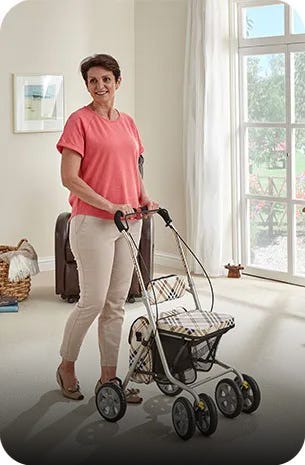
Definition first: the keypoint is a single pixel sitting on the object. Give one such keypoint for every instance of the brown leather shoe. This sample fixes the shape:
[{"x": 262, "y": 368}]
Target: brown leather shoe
[
  {"x": 132, "y": 396},
  {"x": 72, "y": 392}
]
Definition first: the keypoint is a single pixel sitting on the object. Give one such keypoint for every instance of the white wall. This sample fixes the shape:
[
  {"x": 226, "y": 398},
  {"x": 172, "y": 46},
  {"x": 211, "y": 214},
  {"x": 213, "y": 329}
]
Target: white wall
[
  {"x": 160, "y": 29},
  {"x": 50, "y": 37}
]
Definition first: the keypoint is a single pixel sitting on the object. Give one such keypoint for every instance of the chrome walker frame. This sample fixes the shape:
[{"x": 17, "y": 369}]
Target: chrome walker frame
[{"x": 152, "y": 330}]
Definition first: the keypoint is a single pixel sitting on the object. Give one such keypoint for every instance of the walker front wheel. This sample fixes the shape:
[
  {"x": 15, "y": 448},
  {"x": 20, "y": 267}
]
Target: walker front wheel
[
  {"x": 206, "y": 415},
  {"x": 229, "y": 398},
  {"x": 183, "y": 417},
  {"x": 251, "y": 393},
  {"x": 111, "y": 402},
  {"x": 170, "y": 390}
]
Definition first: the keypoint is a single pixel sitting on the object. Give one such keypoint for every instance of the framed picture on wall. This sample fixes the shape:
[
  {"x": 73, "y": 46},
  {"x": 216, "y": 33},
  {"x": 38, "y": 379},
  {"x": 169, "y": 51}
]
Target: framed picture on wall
[{"x": 38, "y": 103}]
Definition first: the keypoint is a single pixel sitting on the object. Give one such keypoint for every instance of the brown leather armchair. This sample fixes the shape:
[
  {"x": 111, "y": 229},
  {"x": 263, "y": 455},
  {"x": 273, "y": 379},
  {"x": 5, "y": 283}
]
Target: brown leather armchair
[{"x": 66, "y": 276}]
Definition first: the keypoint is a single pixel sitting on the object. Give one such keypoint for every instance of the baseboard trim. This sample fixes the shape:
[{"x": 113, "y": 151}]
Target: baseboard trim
[
  {"x": 161, "y": 258},
  {"x": 168, "y": 260},
  {"x": 46, "y": 263}
]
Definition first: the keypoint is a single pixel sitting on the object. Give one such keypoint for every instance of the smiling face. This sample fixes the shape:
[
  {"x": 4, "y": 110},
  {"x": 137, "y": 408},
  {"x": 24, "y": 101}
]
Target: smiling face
[{"x": 102, "y": 85}]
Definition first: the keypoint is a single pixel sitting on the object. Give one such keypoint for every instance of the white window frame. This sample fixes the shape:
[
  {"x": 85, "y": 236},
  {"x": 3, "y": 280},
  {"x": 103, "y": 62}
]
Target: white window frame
[{"x": 240, "y": 47}]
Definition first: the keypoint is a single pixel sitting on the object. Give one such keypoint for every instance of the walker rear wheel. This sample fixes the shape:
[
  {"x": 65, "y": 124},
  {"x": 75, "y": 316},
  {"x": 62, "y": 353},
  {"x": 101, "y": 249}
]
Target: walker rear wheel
[
  {"x": 251, "y": 393},
  {"x": 229, "y": 398},
  {"x": 206, "y": 415},
  {"x": 170, "y": 390},
  {"x": 183, "y": 417},
  {"x": 111, "y": 402}
]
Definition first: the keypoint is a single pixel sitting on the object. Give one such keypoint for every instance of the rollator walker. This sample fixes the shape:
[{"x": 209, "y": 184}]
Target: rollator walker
[{"x": 173, "y": 347}]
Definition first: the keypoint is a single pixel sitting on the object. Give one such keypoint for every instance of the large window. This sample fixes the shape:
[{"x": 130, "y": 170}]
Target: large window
[{"x": 272, "y": 136}]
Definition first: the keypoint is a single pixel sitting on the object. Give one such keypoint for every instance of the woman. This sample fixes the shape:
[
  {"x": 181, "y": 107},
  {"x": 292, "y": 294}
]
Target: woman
[{"x": 100, "y": 147}]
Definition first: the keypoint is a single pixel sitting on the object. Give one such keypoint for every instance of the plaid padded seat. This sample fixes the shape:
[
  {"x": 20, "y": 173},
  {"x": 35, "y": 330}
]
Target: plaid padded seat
[{"x": 194, "y": 323}]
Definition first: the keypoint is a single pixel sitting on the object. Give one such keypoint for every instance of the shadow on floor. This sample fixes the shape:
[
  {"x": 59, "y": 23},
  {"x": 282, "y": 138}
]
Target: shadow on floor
[{"x": 72, "y": 439}]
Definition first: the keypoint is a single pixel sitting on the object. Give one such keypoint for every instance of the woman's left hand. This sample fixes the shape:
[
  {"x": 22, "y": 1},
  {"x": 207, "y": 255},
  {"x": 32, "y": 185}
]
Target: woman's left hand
[{"x": 151, "y": 204}]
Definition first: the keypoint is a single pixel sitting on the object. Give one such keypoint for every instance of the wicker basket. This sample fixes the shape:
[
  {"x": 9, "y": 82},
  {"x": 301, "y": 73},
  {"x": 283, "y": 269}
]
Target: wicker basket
[{"x": 20, "y": 289}]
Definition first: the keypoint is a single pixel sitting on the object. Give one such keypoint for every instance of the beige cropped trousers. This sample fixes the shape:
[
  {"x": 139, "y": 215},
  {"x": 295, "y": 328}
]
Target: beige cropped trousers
[{"x": 105, "y": 269}]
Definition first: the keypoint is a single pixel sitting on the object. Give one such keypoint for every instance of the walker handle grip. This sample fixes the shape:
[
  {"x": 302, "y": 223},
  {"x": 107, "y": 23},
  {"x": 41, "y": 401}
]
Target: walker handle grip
[
  {"x": 161, "y": 211},
  {"x": 165, "y": 215},
  {"x": 117, "y": 219},
  {"x": 118, "y": 216}
]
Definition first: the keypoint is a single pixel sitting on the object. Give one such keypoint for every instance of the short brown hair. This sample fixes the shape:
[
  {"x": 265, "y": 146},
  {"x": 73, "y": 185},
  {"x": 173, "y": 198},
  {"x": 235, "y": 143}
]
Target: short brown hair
[{"x": 102, "y": 60}]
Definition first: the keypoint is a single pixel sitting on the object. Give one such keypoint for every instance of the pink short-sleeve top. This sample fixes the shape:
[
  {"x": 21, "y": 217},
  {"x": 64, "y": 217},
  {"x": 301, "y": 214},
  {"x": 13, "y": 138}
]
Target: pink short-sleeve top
[{"x": 110, "y": 150}]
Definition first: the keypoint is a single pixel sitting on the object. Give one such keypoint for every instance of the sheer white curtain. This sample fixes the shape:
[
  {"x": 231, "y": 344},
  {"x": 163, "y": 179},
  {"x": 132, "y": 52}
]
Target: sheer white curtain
[{"x": 207, "y": 134}]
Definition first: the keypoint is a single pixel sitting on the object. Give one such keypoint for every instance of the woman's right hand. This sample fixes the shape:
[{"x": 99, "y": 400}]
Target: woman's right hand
[{"x": 125, "y": 208}]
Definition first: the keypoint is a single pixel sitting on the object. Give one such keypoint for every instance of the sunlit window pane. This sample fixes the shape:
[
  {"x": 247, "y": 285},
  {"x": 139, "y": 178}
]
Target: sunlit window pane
[
  {"x": 299, "y": 151},
  {"x": 263, "y": 21},
  {"x": 298, "y": 25},
  {"x": 268, "y": 235},
  {"x": 300, "y": 240},
  {"x": 266, "y": 87},
  {"x": 267, "y": 155},
  {"x": 298, "y": 76}
]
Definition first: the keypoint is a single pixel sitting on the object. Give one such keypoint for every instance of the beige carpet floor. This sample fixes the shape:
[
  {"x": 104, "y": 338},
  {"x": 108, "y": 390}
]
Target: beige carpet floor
[{"x": 39, "y": 426}]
